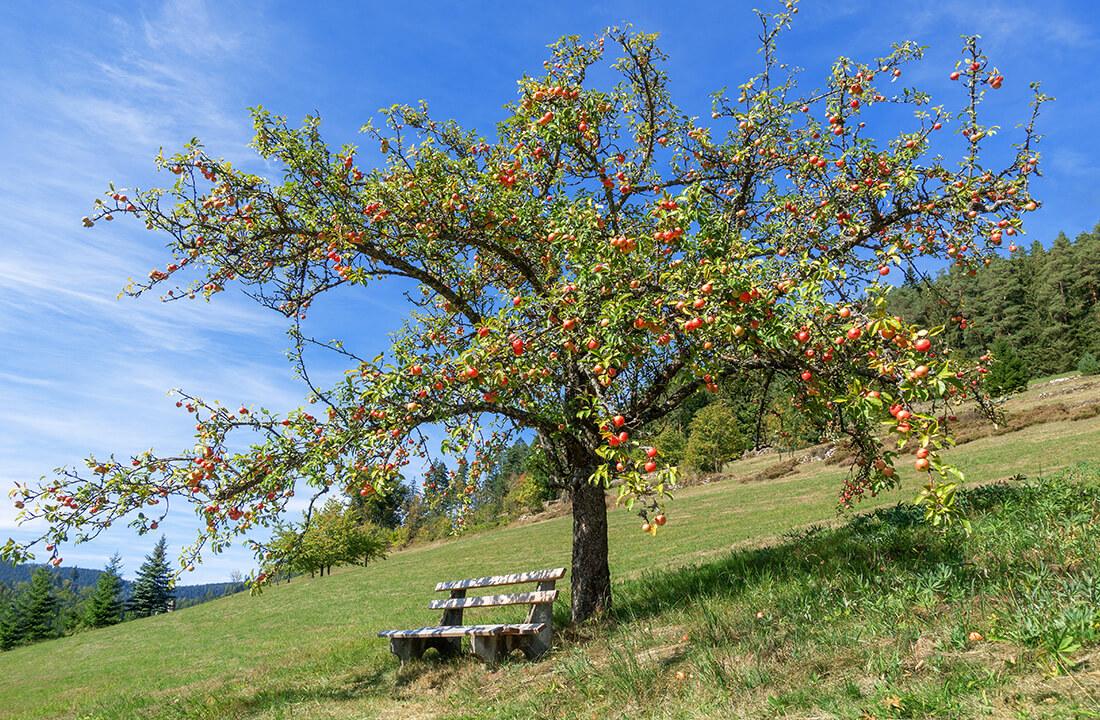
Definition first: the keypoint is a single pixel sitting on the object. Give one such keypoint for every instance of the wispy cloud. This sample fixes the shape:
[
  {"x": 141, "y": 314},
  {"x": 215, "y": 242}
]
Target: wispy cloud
[
  {"x": 187, "y": 28},
  {"x": 82, "y": 371},
  {"x": 1005, "y": 24},
  {"x": 21, "y": 380}
]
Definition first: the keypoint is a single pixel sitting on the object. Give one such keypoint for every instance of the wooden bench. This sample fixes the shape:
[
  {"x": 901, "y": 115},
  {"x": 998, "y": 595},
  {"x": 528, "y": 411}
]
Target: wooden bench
[{"x": 490, "y": 642}]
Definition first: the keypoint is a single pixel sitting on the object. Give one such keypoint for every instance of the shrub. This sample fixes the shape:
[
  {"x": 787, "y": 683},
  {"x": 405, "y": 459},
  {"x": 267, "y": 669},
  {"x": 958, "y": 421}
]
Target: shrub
[
  {"x": 672, "y": 444},
  {"x": 1008, "y": 373},
  {"x": 1088, "y": 365},
  {"x": 436, "y": 527},
  {"x": 713, "y": 438},
  {"x": 525, "y": 496},
  {"x": 402, "y": 537}
]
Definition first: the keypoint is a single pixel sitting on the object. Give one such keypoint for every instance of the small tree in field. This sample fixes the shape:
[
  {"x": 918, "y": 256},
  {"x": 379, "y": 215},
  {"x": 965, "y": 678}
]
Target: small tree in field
[
  {"x": 1008, "y": 373},
  {"x": 37, "y": 608},
  {"x": 526, "y": 495},
  {"x": 713, "y": 438},
  {"x": 579, "y": 275},
  {"x": 672, "y": 443},
  {"x": 11, "y": 631},
  {"x": 1088, "y": 365},
  {"x": 105, "y": 605},
  {"x": 152, "y": 590},
  {"x": 334, "y": 535}
]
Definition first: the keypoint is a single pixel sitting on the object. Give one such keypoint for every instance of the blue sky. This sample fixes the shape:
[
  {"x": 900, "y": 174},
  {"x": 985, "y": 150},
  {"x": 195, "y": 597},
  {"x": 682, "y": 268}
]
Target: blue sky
[{"x": 91, "y": 91}]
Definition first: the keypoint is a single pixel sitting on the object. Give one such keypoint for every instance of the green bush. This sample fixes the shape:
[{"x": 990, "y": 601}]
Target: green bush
[
  {"x": 1088, "y": 365},
  {"x": 525, "y": 496},
  {"x": 713, "y": 438},
  {"x": 672, "y": 444},
  {"x": 402, "y": 536},
  {"x": 1008, "y": 373},
  {"x": 436, "y": 528}
]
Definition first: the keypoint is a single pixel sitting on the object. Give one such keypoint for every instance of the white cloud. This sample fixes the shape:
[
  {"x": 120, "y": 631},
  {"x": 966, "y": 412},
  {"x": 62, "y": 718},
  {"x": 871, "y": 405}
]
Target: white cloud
[
  {"x": 1005, "y": 24},
  {"x": 1071, "y": 162},
  {"x": 186, "y": 27},
  {"x": 36, "y": 382},
  {"x": 81, "y": 371}
]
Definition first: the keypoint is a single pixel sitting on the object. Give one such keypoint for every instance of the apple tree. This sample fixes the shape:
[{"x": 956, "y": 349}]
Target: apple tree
[{"x": 576, "y": 276}]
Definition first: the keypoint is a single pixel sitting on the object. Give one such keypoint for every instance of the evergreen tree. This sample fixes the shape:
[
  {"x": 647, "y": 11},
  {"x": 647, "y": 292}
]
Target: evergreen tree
[
  {"x": 38, "y": 608},
  {"x": 1085, "y": 287},
  {"x": 1088, "y": 365},
  {"x": 1055, "y": 309},
  {"x": 152, "y": 587},
  {"x": 104, "y": 607},
  {"x": 388, "y": 510},
  {"x": 71, "y": 598},
  {"x": 508, "y": 467},
  {"x": 1004, "y": 297},
  {"x": 1008, "y": 373},
  {"x": 11, "y": 629},
  {"x": 1044, "y": 302}
]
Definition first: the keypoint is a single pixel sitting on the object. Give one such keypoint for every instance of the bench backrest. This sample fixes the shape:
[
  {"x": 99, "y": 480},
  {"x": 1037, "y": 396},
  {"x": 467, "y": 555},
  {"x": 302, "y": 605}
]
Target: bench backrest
[{"x": 541, "y": 599}]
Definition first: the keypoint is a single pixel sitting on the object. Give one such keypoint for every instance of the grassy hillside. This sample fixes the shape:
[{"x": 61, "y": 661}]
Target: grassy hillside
[{"x": 872, "y": 617}]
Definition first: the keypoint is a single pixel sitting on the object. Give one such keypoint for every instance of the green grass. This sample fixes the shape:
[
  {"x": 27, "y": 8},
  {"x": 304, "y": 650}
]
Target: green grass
[
  {"x": 874, "y": 617},
  {"x": 858, "y": 616}
]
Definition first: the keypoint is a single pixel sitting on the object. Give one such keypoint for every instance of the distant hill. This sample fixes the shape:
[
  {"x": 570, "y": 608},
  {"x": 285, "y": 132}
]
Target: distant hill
[{"x": 12, "y": 575}]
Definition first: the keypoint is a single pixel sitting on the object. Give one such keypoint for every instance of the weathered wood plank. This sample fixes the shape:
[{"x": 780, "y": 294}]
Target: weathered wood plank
[
  {"x": 527, "y": 598},
  {"x": 407, "y": 649},
  {"x": 443, "y": 631},
  {"x": 535, "y": 646},
  {"x": 489, "y": 642},
  {"x": 453, "y": 616},
  {"x": 488, "y": 648},
  {"x": 494, "y": 580}
]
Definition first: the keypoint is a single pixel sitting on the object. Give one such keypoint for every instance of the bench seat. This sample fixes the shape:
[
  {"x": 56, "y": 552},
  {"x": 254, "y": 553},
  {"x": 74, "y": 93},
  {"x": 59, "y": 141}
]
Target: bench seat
[
  {"x": 450, "y": 631},
  {"x": 491, "y": 643}
]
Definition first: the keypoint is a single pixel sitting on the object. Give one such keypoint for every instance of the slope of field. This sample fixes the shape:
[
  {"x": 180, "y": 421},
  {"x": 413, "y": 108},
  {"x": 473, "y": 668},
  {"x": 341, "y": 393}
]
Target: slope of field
[{"x": 307, "y": 649}]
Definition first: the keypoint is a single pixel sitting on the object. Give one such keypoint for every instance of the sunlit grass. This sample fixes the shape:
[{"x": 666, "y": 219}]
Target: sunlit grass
[{"x": 308, "y": 649}]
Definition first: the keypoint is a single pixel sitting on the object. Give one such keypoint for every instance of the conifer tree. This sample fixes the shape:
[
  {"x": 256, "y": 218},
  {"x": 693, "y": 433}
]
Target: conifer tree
[
  {"x": 386, "y": 511},
  {"x": 152, "y": 587},
  {"x": 1008, "y": 372},
  {"x": 1055, "y": 308},
  {"x": 37, "y": 608},
  {"x": 1044, "y": 303},
  {"x": 1085, "y": 286},
  {"x": 1088, "y": 365},
  {"x": 10, "y": 627},
  {"x": 105, "y": 605}
]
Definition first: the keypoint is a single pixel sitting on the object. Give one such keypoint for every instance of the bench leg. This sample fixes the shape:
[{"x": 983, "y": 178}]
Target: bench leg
[
  {"x": 534, "y": 646},
  {"x": 407, "y": 649},
  {"x": 486, "y": 647},
  {"x": 447, "y": 647}
]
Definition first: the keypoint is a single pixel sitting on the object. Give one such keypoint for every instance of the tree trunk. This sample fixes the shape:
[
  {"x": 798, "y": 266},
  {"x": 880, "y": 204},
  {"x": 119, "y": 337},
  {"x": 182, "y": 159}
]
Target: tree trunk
[{"x": 590, "y": 579}]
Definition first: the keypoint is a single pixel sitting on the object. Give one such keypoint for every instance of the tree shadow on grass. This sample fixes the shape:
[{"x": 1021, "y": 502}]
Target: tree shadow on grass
[
  {"x": 351, "y": 686},
  {"x": 432, "y": 664},
  {"x": 895, "y": 539}
]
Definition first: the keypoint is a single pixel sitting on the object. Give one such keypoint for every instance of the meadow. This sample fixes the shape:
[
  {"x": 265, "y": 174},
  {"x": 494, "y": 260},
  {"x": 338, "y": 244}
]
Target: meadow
[{"x": 756, "y": 600}]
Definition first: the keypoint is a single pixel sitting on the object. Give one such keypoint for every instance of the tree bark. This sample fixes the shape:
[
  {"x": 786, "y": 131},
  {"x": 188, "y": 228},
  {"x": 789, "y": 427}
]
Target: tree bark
[{"x": 590, "y": 579}]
